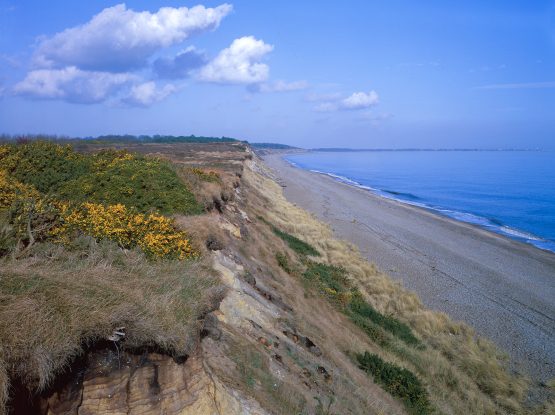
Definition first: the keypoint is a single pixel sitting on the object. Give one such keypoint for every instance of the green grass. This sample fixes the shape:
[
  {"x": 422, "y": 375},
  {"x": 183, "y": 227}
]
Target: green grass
[
  {"x": 297, "y": 245},
  {"x": 333, "y": 283},
  {"x": 398, "y": 381},
  {"x": 360, "y": 308},
  {"x": 330, "y": 276},
  {"x": 300, "y": 247}
]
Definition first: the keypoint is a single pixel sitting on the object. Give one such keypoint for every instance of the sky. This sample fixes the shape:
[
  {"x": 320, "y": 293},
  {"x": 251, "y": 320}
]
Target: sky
[{"x": 360, "y": 74}]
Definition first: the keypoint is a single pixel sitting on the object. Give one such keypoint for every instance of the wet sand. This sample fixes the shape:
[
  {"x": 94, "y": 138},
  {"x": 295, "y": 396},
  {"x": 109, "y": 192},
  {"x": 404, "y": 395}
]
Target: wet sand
[{"x": 503, "y": 288}]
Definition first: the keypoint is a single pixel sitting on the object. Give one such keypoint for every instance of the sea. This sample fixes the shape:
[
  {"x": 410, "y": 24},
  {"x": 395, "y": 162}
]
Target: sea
[{"x": 508, "y": 192}]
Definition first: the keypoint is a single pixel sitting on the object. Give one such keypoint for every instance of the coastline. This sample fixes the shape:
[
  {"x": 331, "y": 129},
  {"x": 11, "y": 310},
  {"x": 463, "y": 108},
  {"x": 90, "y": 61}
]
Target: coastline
[{"x": 502, "y": 287}]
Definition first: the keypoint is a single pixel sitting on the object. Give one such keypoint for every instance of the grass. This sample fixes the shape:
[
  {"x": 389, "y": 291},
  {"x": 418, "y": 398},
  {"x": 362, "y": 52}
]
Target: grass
[
  {"x": 334, "y": 284},
  {"x": 57, "y": 301},
  {"x": 358, "y": 308},
  {"x": 299, "y": 246},
  {"x": 463, "y": 373},
  {"x": 398, "y": 381}
]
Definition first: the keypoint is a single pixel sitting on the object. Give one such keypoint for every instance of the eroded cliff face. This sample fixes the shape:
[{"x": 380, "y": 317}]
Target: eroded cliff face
[
  {"x": 112, "y": 382},
  {"x": 263, "y": 351}
]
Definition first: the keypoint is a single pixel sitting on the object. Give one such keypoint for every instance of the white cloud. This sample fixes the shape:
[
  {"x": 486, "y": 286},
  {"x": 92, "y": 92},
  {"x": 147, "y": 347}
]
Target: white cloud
[
  {"x": 334, "y": 102},
  {"x": 71, "y": 84},
  {"x": 279, "y": 86},
  {"x": 148, "y": 93},
  {"x": 239, "y": 63},
  {"x": 119, "y": 39},
  {"x": 359, "y": 100}
]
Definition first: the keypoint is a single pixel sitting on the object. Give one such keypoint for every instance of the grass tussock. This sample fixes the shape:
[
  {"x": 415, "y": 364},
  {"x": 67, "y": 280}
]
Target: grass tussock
[
  {"x": 57, "y": 301},
  {"x": 334, "y": 284},
  {"x": 462, "y": 373},
  {"x": 299, "y": 246},
  {"x": 398, "y": 381}
]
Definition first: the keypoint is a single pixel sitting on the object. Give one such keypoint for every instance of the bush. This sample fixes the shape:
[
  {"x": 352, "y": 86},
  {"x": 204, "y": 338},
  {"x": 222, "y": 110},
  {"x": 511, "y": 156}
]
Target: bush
[
  {"x": 109, "y": 177},
  {"x": 146, "y": 184},
  {"x": 204, "y": 175},
  {"x": 156, "y": 235},
  {"x": 283, "y": 262},
  {"x": 44, "y": 165},
  {"x": 398, "y": 381}
]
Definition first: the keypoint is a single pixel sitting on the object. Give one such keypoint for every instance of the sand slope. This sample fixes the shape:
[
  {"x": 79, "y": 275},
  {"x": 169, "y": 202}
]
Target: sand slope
[{"x": 503, "y": 288}]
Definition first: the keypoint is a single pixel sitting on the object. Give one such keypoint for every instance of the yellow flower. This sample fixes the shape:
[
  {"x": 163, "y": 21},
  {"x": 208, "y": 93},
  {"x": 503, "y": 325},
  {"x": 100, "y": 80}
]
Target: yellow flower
[{"x": 156, "y": 235}]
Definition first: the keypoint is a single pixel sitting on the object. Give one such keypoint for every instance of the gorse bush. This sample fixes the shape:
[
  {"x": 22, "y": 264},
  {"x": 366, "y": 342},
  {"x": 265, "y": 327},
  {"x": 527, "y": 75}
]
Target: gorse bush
[
  {"x": 205, "y": 175},
  {"x": 49, "y": 191},
  {"x": 109, "y": 177},
  {"x": 11, "y": 189},
  {"x": 398, "y": 381},
  {"x": 43, "y": 165},
  {"x": 146, "y": 184},
  {"x": 156, "y": 235}
]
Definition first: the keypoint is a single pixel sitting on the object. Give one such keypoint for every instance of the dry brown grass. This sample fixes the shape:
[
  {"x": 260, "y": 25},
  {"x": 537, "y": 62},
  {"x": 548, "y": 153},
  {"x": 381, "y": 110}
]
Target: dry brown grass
[
  {"x": 57, "y": 302},
  {"x": 463, "y": 373}
]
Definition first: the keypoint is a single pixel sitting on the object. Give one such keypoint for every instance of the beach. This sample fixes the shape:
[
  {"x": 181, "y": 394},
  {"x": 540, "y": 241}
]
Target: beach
[{"x": 503, "y": 288}]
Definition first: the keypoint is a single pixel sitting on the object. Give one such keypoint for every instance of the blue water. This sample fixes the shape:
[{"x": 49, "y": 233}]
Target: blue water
[{"x": 508, "y": 192}]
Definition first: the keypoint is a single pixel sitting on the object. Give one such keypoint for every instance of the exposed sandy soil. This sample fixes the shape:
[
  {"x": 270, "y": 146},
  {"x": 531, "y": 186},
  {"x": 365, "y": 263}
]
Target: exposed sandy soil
[{"x": 503, "y": 288}]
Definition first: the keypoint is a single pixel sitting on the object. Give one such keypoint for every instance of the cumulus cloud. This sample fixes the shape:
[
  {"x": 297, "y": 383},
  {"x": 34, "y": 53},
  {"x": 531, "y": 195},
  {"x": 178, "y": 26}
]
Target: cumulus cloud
[
  {"x": 181, "y": 65},
  {"x": 359, "y": 100},
  {"x": 239, "y": 63},
  {"x": 278, "y": 86},
  {"x": 147, "y": 93},
  {"x": 72, "y": 84},
  {"x": 355, "y": 101},
  {"x": 120, "y": 39}
]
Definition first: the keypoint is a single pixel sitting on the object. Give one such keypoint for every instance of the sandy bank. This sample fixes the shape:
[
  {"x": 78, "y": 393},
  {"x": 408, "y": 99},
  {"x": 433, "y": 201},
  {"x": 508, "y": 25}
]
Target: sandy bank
[{"x": 503, "y": 288}]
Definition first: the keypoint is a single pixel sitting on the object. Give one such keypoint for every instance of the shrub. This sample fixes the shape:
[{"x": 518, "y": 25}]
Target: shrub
[
  {"x": 109, "y": 177},
  {"x": 42, "y": 164},
  {"x": 398, "y": 381},
  {"x": 11, "y": 189},
  {"x": 156, "y": 235},
  {"x": 283, "y": 262},
  {"x": 146, "y": 184},
  {"x": 204, "y": 175}
]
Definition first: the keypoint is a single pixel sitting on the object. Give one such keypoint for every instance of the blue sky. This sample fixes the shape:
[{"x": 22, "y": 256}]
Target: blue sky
[{"x": 316, "y": 74}]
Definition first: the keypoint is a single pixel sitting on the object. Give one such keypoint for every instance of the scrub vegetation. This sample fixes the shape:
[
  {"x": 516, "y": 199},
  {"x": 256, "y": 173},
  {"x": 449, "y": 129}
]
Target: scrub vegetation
[{"x": 452, "y": 369}]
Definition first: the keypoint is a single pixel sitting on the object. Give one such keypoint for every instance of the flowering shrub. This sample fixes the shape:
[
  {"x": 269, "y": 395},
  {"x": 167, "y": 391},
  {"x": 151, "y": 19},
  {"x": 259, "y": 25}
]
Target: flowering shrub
[
  {"x": 156, "y": 235},
  {"x": 51, "y": 191},
  {"x": 11, "y": 189},
  {"x": 205, "y": 175},
  {"x": 109, "y": 177}
]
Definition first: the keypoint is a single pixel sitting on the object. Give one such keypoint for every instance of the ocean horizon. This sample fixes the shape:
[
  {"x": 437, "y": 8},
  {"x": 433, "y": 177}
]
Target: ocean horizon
[{"x": 508, "y": 192}]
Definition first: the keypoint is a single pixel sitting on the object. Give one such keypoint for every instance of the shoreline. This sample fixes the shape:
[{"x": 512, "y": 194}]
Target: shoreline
[
  {"x": 502, "y": 287},
  {"x": 481, "y": 222}
]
